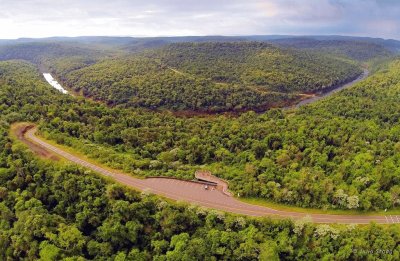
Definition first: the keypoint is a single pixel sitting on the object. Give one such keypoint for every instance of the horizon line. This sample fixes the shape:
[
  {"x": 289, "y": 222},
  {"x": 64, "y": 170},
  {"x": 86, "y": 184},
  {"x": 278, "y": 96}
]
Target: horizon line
[{"x": 211, "y": 35}]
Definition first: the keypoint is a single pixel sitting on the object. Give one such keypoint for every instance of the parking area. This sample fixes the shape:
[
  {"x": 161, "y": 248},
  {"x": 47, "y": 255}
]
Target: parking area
[{"x": 196, "y": 193}]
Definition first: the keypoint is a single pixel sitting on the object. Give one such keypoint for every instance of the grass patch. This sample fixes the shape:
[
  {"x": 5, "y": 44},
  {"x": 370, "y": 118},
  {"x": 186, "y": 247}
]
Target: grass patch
[{"x": 283, "y": 207}]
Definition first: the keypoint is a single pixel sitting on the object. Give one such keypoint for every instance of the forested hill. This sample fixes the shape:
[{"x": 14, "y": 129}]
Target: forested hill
[
  {"x": 57, "y": 211},
  {"x": 343, "y": 151},
  {"x": 356, "y": 49},
  {"x": 218, "y": 76},
  {"x": 337, "y": 153},
  {"x": 43, "y": 53},
  {"x": 257, "y": 64}
]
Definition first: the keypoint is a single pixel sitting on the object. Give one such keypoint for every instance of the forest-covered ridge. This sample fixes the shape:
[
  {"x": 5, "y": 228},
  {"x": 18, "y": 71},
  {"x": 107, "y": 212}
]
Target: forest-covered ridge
[
  {"x": 343, "y": 149},
  {"x": 357, "y": 50},
  {"x": 222, "y": 76},
  {"x": 327, "y": 145},
  {"x": 206, "y": 74},
  {"x": 54, "y": 211}
]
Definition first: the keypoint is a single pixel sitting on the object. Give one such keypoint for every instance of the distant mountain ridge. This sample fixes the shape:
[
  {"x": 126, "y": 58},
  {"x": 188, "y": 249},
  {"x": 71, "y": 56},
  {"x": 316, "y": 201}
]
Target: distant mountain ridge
[{"x": 391, "y": 44}]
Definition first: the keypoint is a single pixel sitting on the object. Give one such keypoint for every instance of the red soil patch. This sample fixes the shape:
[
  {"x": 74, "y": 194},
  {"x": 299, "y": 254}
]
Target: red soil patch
[{"x": 20, "y": 131}]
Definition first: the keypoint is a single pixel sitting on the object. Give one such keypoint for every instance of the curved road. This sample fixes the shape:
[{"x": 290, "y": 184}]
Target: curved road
[{"x": 195, "y": 193}]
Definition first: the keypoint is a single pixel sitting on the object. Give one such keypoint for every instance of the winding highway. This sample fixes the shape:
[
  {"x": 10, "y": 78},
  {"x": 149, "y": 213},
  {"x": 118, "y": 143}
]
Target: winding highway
[{"x": 194, "y": 192}]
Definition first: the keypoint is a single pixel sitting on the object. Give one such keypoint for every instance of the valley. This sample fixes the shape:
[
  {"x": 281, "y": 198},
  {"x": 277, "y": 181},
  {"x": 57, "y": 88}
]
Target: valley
[
  {"x": 54, "y": 83},
  {"x": 305, "y": 130},
  {"x": 208, "y": 77}
]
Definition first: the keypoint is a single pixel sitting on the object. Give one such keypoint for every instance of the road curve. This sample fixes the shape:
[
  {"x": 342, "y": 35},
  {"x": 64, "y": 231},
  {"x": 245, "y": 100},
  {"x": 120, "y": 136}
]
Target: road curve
[{"x": 195, "y": 193}]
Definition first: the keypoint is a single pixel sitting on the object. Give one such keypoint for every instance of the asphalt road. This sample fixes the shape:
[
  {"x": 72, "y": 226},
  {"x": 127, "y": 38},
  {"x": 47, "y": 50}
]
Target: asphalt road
[{"x": 195, "y": 193}]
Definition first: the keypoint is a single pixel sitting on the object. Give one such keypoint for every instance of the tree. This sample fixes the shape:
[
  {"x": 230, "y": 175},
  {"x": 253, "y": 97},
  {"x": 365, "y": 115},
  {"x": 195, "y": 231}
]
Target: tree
[{"x": 352, "y": 202}]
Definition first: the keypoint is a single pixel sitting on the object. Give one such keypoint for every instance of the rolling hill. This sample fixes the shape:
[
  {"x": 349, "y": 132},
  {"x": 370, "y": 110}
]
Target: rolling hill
[
  {"x": 211, "y": 77},
  {"x": 357, "y": 50},
  {"x": 339, "y": 153}
]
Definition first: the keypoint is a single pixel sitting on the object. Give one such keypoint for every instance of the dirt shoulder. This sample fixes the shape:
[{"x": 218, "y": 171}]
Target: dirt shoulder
[{"x": 19, "y": 130}]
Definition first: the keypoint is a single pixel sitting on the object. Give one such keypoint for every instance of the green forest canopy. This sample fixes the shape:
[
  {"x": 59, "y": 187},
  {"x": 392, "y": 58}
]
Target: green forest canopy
[
  {"x": 355, "y": 49},
  {"x": 320, "y": 155},
  {"x": 326, "y": 155},
  {"x": 212, "y": 77},
  {"x": 61, "y": 212}
]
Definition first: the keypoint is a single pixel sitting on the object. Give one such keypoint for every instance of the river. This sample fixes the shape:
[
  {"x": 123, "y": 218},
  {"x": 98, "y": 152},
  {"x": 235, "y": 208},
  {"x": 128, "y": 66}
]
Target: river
[
  {"x": 54, "y": 83},
  {"x": 329, "y": 91}
]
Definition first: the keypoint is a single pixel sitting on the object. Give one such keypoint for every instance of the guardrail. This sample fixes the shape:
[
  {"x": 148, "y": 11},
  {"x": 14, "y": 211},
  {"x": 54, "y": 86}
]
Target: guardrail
[{"x": 205, "y": 175}]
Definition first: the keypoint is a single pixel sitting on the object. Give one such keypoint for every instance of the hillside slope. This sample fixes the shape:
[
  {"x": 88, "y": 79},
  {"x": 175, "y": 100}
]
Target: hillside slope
[
  {"x": 208, "y": 76},
  {"x": 353, "y": 49},
  {"x": 337, "y": 153}
]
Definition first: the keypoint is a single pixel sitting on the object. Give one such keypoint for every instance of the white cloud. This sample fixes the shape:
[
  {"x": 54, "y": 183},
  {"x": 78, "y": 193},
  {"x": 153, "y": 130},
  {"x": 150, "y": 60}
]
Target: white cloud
[{"x": 40, "y": 18}]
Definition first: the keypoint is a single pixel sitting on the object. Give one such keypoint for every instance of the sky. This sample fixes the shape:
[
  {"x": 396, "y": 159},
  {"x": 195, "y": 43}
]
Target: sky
[{"x": 44, "y": 18}]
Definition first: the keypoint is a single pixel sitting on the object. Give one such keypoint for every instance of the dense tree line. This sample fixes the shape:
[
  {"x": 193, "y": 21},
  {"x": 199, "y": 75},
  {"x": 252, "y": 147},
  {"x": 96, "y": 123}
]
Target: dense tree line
[
  {"x": 259, "y": 64},
  {"x": 339, "y": 153},
  {"x": 55, "y": 211},
  {"x": 354, "y": 49},
  {"x": 42, "y": 52},
  {"x": 143, "y": 82},
  {"x": 207, "y": 76}
]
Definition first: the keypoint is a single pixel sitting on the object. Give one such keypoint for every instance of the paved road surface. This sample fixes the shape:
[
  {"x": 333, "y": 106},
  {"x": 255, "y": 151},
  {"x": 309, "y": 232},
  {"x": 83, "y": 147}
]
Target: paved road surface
[{"x": 195, "y": 193}]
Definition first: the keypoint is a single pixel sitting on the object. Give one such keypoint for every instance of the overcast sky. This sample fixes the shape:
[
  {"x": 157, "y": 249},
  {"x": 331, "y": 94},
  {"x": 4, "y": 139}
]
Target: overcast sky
[{"x": 42, "y": 18}]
